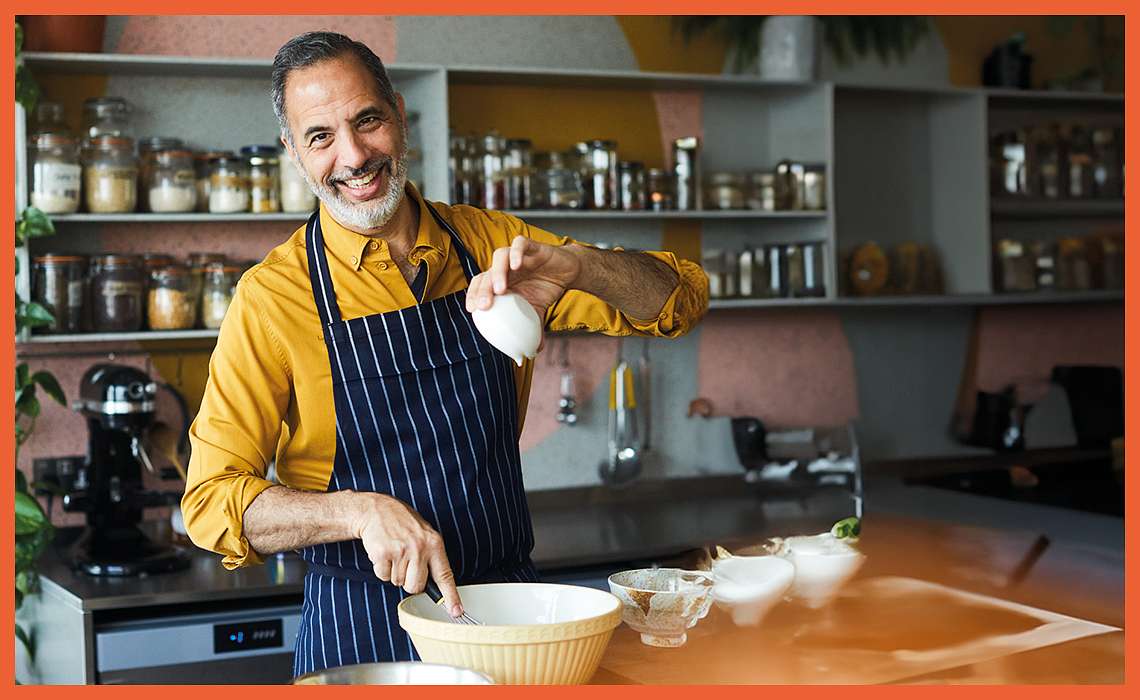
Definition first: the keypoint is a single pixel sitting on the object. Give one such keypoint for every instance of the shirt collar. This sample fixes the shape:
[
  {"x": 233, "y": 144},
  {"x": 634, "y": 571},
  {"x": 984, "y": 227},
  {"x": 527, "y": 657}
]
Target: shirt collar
[{"x": 432, "y": 242}]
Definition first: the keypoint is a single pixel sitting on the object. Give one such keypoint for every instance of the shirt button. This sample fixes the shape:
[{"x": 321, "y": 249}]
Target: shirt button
[
  {"x": 353, "y": 259},
  {"x": 373, "y": 245},
  {"x": 383, "y": 266}
]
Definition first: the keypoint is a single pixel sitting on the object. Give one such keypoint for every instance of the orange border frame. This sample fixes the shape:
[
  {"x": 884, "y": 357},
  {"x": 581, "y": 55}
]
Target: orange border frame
[{"x": 647, "y": 7}]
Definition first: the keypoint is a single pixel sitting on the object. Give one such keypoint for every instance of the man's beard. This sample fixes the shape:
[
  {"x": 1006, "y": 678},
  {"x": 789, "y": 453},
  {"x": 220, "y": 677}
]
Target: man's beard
[{"x": 373, "y": 213}]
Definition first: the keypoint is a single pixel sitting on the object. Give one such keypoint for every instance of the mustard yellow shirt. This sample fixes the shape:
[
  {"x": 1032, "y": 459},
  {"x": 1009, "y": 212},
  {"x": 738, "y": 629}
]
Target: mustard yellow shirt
[{"x": 269, "y": 394}]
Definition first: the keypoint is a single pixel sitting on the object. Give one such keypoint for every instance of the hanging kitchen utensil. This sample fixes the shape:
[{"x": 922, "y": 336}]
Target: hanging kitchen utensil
[
  {"x": 567, "y": 405},
  {"x": 644, "y": 372}
]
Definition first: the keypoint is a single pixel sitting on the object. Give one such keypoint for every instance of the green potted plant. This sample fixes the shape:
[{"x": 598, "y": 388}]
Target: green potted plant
[
  {"x": 786, "y": 47},
  {"x": 33, "y": 527}
]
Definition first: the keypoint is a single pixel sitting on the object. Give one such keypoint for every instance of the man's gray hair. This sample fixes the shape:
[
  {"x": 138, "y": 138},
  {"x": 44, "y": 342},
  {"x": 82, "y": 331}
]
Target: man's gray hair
[{"x": 311, "y": 48}]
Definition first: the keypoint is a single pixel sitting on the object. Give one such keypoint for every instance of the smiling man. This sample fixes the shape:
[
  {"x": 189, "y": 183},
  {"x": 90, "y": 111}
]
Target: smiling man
[{"x": 348, "y": 357}]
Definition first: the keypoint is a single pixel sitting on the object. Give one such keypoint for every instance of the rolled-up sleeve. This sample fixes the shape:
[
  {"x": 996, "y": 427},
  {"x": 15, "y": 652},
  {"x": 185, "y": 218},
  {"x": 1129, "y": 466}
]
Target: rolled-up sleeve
[
  {"x": 235, "y": 434},
  {"x": 576, "y": 310}
]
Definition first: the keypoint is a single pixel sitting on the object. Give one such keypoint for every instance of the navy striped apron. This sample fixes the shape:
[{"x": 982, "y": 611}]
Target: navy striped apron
[{"x": 426, "y": 412}]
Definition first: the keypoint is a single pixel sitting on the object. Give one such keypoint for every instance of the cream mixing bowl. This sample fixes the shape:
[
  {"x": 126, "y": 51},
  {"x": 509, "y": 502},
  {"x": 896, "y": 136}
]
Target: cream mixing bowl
[{"x": 532, "y": 633}]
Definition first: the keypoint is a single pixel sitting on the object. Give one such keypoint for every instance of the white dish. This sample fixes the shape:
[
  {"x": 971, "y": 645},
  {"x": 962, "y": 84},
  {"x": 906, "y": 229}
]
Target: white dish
[
  {"x": 823, "y": 564},
  {"x": 748, "y": 587}
]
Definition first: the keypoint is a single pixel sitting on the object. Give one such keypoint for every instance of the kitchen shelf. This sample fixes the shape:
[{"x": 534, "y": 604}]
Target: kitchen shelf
[
  {"x": 1030, "y": 209},
  {"x": 181, "y": 66},
  {"x": 665, "y": 215},
  {"x": 1083, "y": 297},
  {"x": 147, "y": 218},
  {"x": 196, "y": 334}
]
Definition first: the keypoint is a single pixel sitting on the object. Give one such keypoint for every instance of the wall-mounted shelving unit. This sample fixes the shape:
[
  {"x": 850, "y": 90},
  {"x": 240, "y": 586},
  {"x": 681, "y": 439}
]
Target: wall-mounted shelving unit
[{"x": 902, "y": 163}]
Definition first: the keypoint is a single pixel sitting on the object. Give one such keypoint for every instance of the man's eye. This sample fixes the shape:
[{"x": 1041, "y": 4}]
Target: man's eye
[
  {"x": 317, "y": 138},
  {"x": 368, "y": 120}
]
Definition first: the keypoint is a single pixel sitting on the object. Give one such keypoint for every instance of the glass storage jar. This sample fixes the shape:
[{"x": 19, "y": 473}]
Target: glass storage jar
[
  {"x": 725, "y": 191},
  {"x": 110, "y": 175},
  {"x": 116, "y": 294},
  {"x": 264, "y": 182},
  {"x": 198, "y": 262},
  {"x": 296, "y": 196},
  {"x": 1073, "y": 270},
  {"x": 558, "y": 185},
  {"x": 170, "y": 302},
  {"x": 1108, "y": 163},
  {"x": 56, "y": 175},
  {"x": 202, "y": 176},
  {"x": 519, "y": 166},
  {"x": 219, "y": 287},
  {"x": 814, "y": 195},
  {"x": 58, "y": 283},
  {"x": 662, "y": 189},
  {"x": 148, "y": 148},
  {"x": 493, "y": 175},
  {"x": 50, "y": 119},
  {"x": 631, "y": 185},
  {"x": 105, "y": 116},
  {"x": 600, "y": 174},
  {"x": 229, "y": 185},
  {"x": 1017, "y": 267},
  {"x": 760, "y": 194},
  {"x": 171, "y": 185}
]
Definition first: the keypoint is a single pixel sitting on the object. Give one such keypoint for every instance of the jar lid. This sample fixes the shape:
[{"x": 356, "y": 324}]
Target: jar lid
[
  {"x": 200, "y": 259},
  {"x": 686, "y": 142},
  {"x": 108, "y": 142},
  {"x": 58, "y": 259},
  {"x": 171, "y": 156},
  {"x": 174, "y": 271},
  {"x": 49, "y": 111},
  {"x": 519, "y": 143},
  {"x": 657, "y": 172},
  {"x": 762, "y": 178},
  {"x": 115, "y": 259},
  {"x": 104, "y": 103},
  {"x": 159, "y": 143},
  {"x": 223, "y": 267},
  {"x": 493, "y": 141},
  {"x": 55, "y": 140},
  {"x": 605, "y": 144},
  {"x": 229, "y": 161},
  {"x": 210, "y": 155},
  {"x": 631, "y": 165},
  {"x": 258, "y": 154}
]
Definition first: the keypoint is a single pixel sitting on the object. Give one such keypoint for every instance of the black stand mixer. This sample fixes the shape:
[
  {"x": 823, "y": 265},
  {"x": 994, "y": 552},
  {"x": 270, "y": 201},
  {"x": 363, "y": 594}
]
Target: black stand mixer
[{"x": 118, "y": 403}]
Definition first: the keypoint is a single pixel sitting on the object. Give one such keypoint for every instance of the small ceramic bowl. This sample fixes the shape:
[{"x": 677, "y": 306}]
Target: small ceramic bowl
[
  {"x": 661, "y": 604},
  {"x": 748, "y": 587},
  {"x": 823, "y": 564}
]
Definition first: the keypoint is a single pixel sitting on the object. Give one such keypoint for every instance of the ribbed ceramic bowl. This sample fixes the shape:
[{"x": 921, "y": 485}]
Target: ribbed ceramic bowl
[{"x": 532, "y": 633}]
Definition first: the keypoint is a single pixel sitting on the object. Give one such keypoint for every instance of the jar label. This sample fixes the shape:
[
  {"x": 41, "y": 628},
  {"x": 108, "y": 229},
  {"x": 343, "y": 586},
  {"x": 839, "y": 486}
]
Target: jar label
[
  {"x": 56, "y": 179},
  {"x": 75, "y": 293},
  {"x": 115, "y": 288}
]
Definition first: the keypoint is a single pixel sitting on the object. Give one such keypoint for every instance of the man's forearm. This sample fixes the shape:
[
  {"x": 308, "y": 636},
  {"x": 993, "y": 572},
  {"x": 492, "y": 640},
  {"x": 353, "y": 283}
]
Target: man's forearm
[
  {"x": 281, "y": 519},
  {"x": 636, "y": 284}
]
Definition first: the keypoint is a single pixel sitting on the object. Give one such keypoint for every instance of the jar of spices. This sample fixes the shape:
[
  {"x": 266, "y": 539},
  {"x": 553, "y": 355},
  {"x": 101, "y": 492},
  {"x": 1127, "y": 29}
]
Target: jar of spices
[
  {"x": 599, "y": 164},
  {"x": 264, "y": 174},
  {"x": 760, "y": 192},
  {"x": 55, "y": 173},
  {"x": 558, "y": 185},
  {"x": 814, "y": 194},
  {"x": 229, "y": 185},
  {"x": 198, "y": 262},
  {"x": 662, "y": 191},
  {"x": 1080, "y": 166},
  {"x": 296, "y": 195},
  {"x": 171, "y": 185},
  {"x": 725, "y": 191},
  {"x": 105, "y": 116},
  {"x": 58, "y": 285},
  {"x": 811, "y": 258},
  {"x": 631, "y": 185},
  {"x": 719, "y": 268},
  {"x": 219, "y": 287},
  {"x": 148, "y": 148},
  {"x": 116, "y": 294},
  {"x": 1017, "y": 268},
  {"x": 170, "y": 302},
  {"x": 110, "y": 175},
  {"x": 1108, "y": 163},
  {"x": 1073, "y": 272},
  {"x": 202, "y": 177},
  {"x": 468, "y": 169},
  {"x": 492, "y": 172},
  {"x": 519, "y": 166},
  {"x": 686, "y": 169},
  {"x": 789, "y": 185}
]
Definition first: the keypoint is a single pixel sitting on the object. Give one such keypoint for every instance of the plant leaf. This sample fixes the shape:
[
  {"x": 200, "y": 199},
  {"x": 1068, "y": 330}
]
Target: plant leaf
[
  {"x": 21, "y": 375},
  {"x": 30, "y": 517},
  {"x": 27, "y": 403},
  {"x": 19, "y": 39},
  {"x": 27, "y": 90},
  {"x": 50, "y": 384},
  {"x": 25, "y": 639},
  {"x": 33, "y": 223},
  {"x": 21, "y": 482},
  {"x": 35, "y": 315}
]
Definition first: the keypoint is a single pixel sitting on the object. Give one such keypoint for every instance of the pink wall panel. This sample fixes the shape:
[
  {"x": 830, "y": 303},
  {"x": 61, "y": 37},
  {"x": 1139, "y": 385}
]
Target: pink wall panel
[
  {"x": 245, "y": 36},
  {"x": 1019, "y": 343},
  {"x": 590, "y": 359},
  {"x": 678, "y": 114},
  {"x": 789, "y": 368}
]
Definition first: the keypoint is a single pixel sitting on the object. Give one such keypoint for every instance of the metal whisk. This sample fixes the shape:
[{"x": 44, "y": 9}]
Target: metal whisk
[{"x": 437, "y": 598}]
